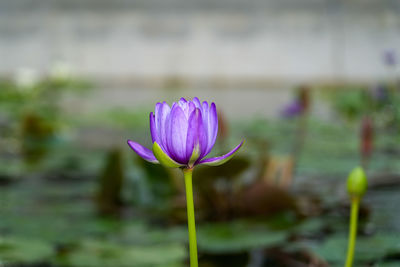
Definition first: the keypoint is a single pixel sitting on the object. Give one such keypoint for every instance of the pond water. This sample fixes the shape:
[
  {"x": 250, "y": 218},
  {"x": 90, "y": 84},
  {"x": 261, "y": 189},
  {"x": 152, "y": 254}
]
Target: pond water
[{"x": 51, "y": 215}]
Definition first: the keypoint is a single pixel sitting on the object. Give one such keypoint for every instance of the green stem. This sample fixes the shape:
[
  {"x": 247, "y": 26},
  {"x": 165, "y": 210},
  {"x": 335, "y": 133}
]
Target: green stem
[
  {"x": 191, "y": 220},
  {"x": 355, "y": 202}
]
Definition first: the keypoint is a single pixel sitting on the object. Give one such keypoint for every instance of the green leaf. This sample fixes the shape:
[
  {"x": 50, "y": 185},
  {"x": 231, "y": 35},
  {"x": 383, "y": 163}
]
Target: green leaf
[
  {"x": 18, "y": 250},
  {"x": 102, "y": 253},
  {"x": 367, "y": 248},
  {"x": 237, "y": 237}
]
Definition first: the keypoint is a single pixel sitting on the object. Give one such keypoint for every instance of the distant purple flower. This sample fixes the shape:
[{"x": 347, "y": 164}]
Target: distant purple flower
[
  {"x": 389, "y": 58},
  {"x": 183, "y": 135},
  {"x": 292, "y": 110}
]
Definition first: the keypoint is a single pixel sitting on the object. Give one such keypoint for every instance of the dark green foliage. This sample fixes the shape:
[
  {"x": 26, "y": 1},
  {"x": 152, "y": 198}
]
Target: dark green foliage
[
  {"x": 351, "y": 103},
  {"x": 94, "y": 253},
  {"x": 36, "y": 137},
  {"x": 110, "y": 184},
  {"x": 368, "y": 249},
  {"x": 24, "y": 251},
  {"x": 237, "y": 236},
  {"x": 159, "y": 181},
  {"x": 31, "y": 115}
]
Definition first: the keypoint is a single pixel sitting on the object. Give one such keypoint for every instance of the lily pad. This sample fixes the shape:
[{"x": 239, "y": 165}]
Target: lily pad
[
  {"x": 237, "y": 237},
  {"x": 368, "y": 249},
  {"x": 101, "y": 253},
  {"x": 18, "y": 250},
  {"x": 139, "y": 234}
]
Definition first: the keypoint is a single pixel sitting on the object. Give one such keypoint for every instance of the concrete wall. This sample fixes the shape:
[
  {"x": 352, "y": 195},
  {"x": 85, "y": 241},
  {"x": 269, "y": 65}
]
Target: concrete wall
[{"x": 283, "y": 40}]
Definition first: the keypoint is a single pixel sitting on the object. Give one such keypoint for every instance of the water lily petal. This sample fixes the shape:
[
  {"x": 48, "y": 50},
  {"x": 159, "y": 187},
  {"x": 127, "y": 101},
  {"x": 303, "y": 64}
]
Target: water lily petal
[
  {"x": 153, "y": 129},
  {"x": 196, "y": 138},
  {"x": 222, "y": 159},
  {"x": 182, "y": 100},
  {"x": 183, "y": 103},
  {"x": 189, "y": 109},
  {"x": 161, "y": 120},
  {"x": 205, "y": 115},
  {"x": 177, "y": 135},
  {"x": 143, "y": 152},
  {"x": 157, "y": 114},
  {"x": 163, "y": 158},
  {"x": 196, "y": 101},
  {"x": 210, "y": 120},
  {"x": 212, "y": 128}
]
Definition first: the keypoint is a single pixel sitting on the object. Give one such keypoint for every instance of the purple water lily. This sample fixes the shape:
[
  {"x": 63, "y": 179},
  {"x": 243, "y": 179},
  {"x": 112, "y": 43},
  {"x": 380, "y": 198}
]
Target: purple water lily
[
  {"x": 293, "y": 109},
  {"x": 183, "y": 135},
  {"x": 389, "y": 58}
]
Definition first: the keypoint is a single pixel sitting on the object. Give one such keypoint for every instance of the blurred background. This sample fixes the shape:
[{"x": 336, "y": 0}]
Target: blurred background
[{"x": 312, "y": 85}]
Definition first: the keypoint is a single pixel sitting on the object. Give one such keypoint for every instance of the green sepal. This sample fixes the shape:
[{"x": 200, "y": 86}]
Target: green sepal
[
  {"x": 163, "y": 158},
  {"x": 195, "y": 155}
]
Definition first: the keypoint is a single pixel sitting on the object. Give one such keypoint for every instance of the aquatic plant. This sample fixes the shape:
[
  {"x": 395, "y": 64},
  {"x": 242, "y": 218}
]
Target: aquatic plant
[
  {"x": 299, "y": 106},
  {"x": 32, "y": 113},
  {"x": 299, "y": 109},
  {"x": 367, "y": 140},
  {"x": 183, "y": 135},
  {"x": 356, "y": 187},
  {"x": 293, "y": 109},
  {"x": 108, "y": 197}
]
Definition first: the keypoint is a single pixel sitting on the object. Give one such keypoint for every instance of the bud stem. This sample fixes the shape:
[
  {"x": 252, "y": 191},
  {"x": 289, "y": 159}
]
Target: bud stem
[
  {"x": 355, "y": 203},
  {"x": 191, "y": 219}
]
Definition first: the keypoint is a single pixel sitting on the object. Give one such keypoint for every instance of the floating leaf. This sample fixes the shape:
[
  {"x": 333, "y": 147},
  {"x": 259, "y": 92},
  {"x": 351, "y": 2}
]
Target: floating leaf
[
  {"x": 367, "y": 248},
  {"x": 236, "y": 237},
  {"x": 18, "y": 250},
  {"x": 101, "y": 253}
]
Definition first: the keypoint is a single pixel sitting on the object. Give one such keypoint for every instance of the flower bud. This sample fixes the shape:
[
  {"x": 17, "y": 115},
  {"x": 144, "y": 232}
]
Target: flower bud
[{"x": 357, "y": 182}]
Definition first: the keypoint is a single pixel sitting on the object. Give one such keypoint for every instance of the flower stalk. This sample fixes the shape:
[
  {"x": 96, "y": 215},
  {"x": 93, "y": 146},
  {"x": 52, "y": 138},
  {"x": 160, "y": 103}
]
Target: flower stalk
[
  {"x": 355, "y": 203},
  {"x": 187, "y": 172}
]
